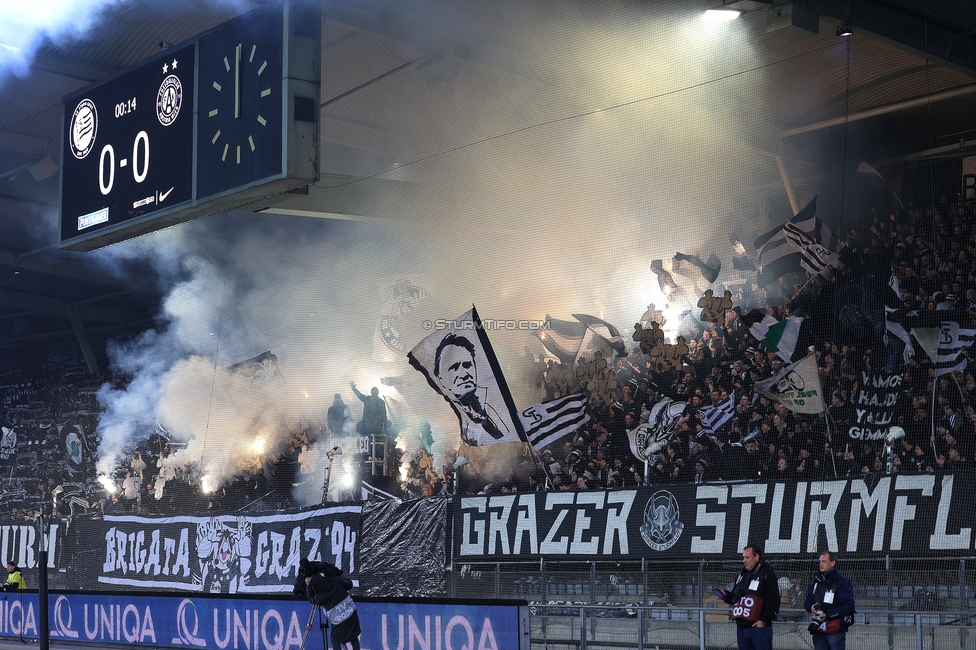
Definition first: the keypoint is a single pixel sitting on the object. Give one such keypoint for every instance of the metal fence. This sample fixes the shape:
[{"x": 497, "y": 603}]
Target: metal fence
[
  {"x": 902, "y": 603},
  {"x": 595, "y": 627}
]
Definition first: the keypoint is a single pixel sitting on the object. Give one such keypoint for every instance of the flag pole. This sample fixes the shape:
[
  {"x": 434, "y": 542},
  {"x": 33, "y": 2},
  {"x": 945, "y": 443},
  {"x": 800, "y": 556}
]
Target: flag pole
[{"x": 830, "y": 439}]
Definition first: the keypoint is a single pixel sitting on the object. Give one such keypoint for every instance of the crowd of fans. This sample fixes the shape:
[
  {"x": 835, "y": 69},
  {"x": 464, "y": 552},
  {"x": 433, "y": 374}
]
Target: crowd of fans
[{"x": 931, "y": 253}]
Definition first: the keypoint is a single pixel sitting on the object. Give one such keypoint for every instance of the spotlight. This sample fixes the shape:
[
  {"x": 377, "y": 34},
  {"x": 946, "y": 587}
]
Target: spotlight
[
  {"x": 460, "y": 462},
  {"x": 844, "y": 29},
  {"x": 332, "y": 453},
  {"x": 720, "y": 15}
]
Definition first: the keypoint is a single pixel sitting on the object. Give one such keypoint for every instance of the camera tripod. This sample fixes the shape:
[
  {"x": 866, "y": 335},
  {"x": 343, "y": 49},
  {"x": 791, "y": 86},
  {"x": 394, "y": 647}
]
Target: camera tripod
[{"x": 308, "y": 626}]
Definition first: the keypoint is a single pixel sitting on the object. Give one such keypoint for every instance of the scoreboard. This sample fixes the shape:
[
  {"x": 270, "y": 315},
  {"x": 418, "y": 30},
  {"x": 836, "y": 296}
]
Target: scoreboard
[{"x": 228, "y": 118}]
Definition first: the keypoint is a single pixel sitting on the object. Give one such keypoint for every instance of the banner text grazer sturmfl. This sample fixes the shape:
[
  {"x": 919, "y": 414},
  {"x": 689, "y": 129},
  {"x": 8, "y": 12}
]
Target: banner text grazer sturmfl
[{"x": 908, "y": 515}]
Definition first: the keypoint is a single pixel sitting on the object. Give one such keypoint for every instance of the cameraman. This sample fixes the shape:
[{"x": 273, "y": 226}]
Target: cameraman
[
  {"x": 755, "y": 601},
  {"x": 830, "y": 602},
  {"x": 15, "y": 579},
  {"x": 324, "y": 585}
]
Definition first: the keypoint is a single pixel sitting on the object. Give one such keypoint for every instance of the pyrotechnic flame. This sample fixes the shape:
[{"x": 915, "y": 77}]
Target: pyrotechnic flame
[{"x": 108, "y": 484}]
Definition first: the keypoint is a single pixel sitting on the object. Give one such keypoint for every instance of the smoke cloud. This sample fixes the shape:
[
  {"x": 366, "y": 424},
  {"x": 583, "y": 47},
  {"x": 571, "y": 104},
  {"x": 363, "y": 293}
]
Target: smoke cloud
[{"x": 545, "y": 179}]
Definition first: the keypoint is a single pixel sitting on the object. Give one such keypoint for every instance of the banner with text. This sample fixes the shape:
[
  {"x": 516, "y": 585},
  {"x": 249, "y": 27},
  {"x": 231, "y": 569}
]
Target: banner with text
[
  {"x": 898, "y": 515},
  {"x": 265, "y": 624},
  {"x": 874, "y": 406},
  {"x": 20, "y": 542},
  {"x": 221, "y": 553}
]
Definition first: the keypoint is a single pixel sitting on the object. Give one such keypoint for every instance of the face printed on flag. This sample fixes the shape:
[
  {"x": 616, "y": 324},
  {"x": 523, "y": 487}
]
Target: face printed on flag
[{"x": 460, "y": 364}]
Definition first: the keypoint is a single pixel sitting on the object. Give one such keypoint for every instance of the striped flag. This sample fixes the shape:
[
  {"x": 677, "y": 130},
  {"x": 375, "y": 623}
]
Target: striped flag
[
  {"x": 943, "y": 333},
  {"x": 566, "y": 339},
  {"x": 562, "y": 338},
  {"x": 945, "y": 345},
  {"x": 714, "y": 417},
  {"x": 547, "y": 422},
  {"x": 814, "y": 256},
  {"x": 778, "y": 256}
]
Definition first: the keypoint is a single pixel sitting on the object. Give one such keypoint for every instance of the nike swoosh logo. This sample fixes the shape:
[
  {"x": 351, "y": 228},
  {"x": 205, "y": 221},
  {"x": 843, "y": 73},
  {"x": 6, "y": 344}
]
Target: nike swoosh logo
[{"x": 163, "y": 195}]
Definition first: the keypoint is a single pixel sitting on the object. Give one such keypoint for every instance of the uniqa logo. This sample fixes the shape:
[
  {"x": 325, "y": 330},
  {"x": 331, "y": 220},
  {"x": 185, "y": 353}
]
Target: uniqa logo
[
  {"x": 62, "y": 628},
  {"x": 188, "y": 634},
  {"x": 661, "y": 528}
]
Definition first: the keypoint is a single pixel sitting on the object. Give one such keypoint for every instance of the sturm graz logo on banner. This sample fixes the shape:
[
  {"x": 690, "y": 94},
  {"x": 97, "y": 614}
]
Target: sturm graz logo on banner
[{"x": 661, "y": 529}]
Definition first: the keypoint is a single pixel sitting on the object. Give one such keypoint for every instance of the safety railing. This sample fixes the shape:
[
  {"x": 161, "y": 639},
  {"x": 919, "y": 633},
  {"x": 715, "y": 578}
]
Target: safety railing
[{"x": 592, "y": 627}]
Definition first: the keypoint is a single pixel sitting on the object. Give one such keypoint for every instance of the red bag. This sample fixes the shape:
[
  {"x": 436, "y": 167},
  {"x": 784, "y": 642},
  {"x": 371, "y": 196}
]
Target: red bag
[{"x": 748, "y": 608}]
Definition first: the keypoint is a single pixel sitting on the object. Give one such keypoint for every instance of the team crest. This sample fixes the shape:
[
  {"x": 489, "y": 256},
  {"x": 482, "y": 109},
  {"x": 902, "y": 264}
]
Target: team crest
[
  {"x": 399, "y": 301},
  {"x": 661, "y": 529},
  {"x": 169, "y": 100},
  {"x": 83, "y": 128}
]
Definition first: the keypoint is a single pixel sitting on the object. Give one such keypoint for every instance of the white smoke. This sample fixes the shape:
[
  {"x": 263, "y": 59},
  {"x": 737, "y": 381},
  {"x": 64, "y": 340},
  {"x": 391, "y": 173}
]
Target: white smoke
[
  {"x": 616, "y": 157},
  {"x": 25, "y": 27}
]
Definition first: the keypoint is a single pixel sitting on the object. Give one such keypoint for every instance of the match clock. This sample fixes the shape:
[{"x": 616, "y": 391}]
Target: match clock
[
  {"x": 226, "y": 120},
  {"x": 239, "y": 138}
]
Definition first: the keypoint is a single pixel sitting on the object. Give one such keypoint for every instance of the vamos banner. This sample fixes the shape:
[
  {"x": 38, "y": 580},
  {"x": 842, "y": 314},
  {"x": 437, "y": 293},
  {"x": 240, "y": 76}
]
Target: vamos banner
[
  {"x": 220, "y": 553},
  {"x": 920, "y": 514}
]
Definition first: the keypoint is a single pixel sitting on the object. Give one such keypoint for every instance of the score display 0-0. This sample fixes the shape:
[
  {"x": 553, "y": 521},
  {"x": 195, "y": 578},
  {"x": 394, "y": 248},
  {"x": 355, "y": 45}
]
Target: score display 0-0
[{"x": 128, "y": 145}]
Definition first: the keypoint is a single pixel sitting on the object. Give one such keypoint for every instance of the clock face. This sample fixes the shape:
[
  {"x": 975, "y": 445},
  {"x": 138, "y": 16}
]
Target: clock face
[{"x": 239, "y": 132}]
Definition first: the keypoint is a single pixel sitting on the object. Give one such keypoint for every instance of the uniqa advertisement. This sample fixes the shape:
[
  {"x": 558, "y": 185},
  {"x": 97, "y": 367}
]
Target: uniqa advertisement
[{"x": 222, "y": 623}]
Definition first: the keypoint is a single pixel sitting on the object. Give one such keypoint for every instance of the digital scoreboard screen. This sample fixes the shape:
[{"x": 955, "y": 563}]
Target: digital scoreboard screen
[{"x": 127, "y": 146}]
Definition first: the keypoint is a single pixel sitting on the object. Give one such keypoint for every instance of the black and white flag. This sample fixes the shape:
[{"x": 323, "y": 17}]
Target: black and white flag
[
  {"x": 567, "y": 340},
  {"x": 649, "y": 438},
  {"x": 547, "y": 422},
  {"x": 715, "y": 416},
  {"x": 460, "y": 364},
  {"x": 944, "y": 334},
  {"x": 709, "y": 270},
  {"x": 778, "y": 256},
  {"x": 814, "y": 256},
  {"x": 945, "y": 345}
]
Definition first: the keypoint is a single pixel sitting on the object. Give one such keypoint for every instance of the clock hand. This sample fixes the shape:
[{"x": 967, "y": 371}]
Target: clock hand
[{"x": 237, "y": 82}]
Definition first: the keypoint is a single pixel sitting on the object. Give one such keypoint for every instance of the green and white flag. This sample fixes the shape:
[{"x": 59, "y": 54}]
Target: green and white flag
[{"x": 778, "y": 336}]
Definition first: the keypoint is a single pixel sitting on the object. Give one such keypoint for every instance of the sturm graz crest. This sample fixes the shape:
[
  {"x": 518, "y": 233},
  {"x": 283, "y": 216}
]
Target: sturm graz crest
[
  {"x": 661, "y": 528},
  {"x": 83, "y": 128}
]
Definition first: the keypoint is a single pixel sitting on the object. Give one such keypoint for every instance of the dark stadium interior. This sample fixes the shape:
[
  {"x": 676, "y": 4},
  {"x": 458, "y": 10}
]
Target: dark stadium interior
[{"x": 536, "y": 160}]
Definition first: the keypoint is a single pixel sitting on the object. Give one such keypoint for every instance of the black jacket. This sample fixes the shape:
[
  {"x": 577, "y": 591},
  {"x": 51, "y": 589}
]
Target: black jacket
[
  {"x": 842, "y": 607},
  {"x": 760, "y": 583}
]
